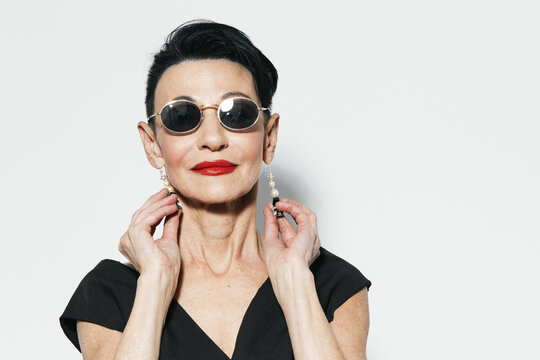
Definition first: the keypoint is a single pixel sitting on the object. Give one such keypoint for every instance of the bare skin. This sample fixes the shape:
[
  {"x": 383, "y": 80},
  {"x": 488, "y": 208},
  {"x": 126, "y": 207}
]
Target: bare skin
[{"x": 211, "y": 258}]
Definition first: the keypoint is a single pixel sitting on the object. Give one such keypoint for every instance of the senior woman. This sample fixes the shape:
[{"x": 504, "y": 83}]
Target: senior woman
[{"x": 212, "y": 286}]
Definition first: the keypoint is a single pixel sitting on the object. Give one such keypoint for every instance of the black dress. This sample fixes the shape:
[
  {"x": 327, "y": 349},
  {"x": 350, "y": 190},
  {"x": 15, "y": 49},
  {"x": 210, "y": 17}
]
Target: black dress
[{"x": 106, "y": 294}]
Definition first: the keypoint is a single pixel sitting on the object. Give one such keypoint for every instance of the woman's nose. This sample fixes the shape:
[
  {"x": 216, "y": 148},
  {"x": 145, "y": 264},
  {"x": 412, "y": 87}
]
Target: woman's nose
[{"x": 211, "y": 134}]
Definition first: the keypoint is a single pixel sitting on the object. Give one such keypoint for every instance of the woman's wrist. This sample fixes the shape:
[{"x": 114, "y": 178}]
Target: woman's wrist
[
  {"x": 161, "y": 286},
  {"x": 141, "y": 338},
  {"x": 287, "y": 280}
]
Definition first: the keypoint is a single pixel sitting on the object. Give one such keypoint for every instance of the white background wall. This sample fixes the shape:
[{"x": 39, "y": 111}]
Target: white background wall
[{"x": 410, "y": 127}]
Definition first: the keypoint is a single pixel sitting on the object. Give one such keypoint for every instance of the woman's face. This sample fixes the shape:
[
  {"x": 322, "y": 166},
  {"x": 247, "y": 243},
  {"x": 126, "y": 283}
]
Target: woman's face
[{"x": 209, "y": 82}]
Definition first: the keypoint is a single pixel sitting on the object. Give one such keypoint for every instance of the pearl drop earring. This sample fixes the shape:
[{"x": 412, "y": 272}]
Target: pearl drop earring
[
  {"x": 167, "y": 184},
  {"x": 274, "y": 192}
]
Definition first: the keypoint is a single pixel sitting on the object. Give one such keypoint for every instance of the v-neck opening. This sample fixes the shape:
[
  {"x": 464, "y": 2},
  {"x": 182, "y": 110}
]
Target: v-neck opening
[{"x": 242, "y": 323}]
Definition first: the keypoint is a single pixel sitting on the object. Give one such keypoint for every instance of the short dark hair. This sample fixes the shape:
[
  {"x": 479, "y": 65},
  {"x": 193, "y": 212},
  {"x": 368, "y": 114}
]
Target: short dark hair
[{"x": 204, "y": 39}]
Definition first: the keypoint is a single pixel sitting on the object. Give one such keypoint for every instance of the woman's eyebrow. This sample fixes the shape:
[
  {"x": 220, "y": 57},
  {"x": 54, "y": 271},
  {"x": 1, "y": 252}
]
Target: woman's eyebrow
[
  {"x": 224, "y": 96},
  {"x": 184, "y": 97},
  {"x": 235, "y": 93}
]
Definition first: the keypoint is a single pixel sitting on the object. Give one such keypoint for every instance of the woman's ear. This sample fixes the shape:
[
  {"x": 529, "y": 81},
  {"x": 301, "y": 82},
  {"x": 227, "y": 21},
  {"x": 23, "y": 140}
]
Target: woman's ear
[
  {"x": 270, "y": 138},
  {"x": 151, "y": 147}
]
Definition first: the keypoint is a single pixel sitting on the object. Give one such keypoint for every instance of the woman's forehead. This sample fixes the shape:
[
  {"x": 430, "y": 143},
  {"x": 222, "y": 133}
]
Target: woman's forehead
[{"x": 205, "y": 81}]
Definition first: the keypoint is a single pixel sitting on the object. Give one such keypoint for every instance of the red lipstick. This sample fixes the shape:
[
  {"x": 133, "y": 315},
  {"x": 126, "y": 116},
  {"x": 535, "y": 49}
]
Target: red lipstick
[{"x": 216, "y": 167}]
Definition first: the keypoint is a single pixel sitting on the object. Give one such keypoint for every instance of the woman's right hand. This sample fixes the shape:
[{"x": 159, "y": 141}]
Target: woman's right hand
[{"x": 156, "y": 257}]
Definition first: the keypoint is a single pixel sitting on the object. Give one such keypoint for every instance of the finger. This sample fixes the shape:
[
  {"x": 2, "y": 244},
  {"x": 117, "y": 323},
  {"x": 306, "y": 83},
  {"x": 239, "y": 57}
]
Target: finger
[
  {"x": 126, "y": 248},
  {"x": 155, "y": 197},
  {"x": 155, "y": 217},
  {"x": 292, "y": 207},
  {"x": 144, "y": 212},
  {"x": 285, "y": 227},
  {"x": 160, "y": 203},
  {"x": 164, "y": 192},
  {"x": 299, "y": 205},
  {"x": 171, "y": 226},
  {"x": 122, "y": 243},
  {"x": 271, "y": 241},
  {"x": 148, "y": 220},
  {"x": 271, "y": 227},
  {"x": 152, "y": 200}
]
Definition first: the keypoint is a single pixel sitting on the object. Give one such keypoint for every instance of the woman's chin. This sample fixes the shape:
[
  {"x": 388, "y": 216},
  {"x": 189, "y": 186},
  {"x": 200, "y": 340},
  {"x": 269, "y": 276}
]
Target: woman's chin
[
  {"x": 214, "y": 196},
  {"x": 220, "y": 192}
]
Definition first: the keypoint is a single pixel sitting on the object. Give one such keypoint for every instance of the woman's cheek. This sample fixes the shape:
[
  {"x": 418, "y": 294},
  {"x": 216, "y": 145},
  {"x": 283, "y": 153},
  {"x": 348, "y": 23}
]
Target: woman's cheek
[
  {"x": 252, "y": 154},
  {"x": 176, "y": 158},
  {"x": 252, "y": 145}
]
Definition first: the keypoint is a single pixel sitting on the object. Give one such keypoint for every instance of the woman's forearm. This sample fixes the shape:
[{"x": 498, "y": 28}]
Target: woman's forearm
[
  {"x": 311, "y": 335},
  {"x": 141, "y": 338}
]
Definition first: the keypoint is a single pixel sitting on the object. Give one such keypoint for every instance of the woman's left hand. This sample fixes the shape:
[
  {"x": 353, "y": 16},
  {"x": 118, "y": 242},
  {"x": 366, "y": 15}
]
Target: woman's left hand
[{"x": 295, "y": 246}]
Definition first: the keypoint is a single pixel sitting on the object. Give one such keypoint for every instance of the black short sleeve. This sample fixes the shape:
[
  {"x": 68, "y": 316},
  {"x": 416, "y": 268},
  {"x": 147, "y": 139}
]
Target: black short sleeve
[
  {"x": 336, "y": 281},
  {"x": 105, "y": 297}
]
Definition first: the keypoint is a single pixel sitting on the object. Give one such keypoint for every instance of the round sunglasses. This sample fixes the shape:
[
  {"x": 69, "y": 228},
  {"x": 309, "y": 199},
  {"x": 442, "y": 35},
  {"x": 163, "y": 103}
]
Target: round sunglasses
[{"x": 183, "y": 116}]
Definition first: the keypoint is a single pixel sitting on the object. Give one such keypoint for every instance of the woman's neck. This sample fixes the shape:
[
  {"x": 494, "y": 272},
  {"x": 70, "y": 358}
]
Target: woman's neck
[{"x": 220, "y": 237}]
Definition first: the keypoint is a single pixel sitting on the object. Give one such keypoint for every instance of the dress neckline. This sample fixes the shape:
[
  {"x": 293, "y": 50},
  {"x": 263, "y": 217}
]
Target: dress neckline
[{"x": 243, "y": 323}]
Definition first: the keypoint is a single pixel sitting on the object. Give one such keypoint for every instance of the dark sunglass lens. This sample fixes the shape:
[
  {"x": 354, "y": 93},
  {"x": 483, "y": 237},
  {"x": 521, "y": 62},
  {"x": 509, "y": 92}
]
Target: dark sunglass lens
[
  {"x": 238, "y": 113},
  {"x": 181, "y": 116}
]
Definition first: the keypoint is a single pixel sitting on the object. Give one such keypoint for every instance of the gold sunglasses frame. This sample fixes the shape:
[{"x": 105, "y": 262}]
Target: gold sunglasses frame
[{"x": 204, "y": 107}]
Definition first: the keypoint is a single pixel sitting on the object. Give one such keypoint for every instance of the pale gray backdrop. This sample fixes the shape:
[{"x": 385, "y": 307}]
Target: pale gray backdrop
[{"x": 410, "y": 127}]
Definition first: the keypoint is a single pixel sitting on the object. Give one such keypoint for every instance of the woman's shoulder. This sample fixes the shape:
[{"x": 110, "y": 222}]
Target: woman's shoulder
[
  {"x": 329, "y": 264},
  {"x": 336, "y": 280},
  {"x": 112, "y": 273},
  {"x": 110, "y": 263},
  {"x": 104, "y": 296}
]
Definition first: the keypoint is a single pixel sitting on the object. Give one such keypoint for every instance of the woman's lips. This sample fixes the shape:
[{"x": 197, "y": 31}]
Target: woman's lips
[{"x": 216, "y": 167}]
